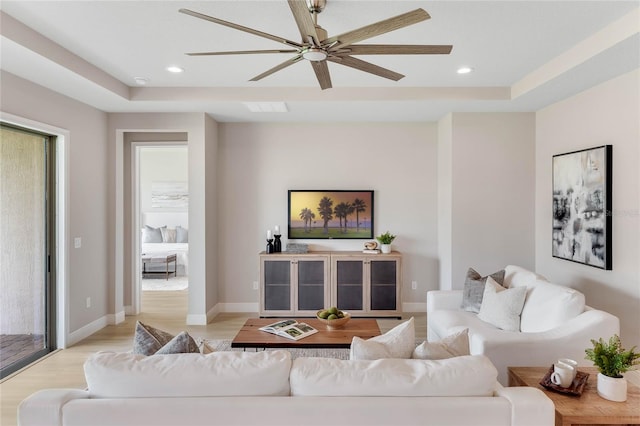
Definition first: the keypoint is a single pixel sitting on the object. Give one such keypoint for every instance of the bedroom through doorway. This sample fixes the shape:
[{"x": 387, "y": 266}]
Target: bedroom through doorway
[{"x": 162, "y": 214}]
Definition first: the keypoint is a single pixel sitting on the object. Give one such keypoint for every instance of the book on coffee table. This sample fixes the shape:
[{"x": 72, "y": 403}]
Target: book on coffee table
[{"x": 291, "y": 329}]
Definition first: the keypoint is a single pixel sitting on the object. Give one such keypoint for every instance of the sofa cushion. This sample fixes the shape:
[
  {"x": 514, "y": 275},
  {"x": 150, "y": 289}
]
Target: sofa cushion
[
  {"x": 127, "y": 375},
  {"x": 474, "y": 289},
  {"x": 548, "y": 305},
  {"x": 472, "y": 375},
  {"x": 502, "y": 307},
  {"x": 398, "y": 342},
  {"x": 456, "y": 344}
]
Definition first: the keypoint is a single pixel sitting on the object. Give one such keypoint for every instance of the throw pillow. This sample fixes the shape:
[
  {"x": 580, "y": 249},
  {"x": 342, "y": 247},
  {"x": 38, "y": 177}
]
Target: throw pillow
[
  {"x": 182, "y": 235},
  {"x": 181, "y": 344},
  {"x": 168, "y": 235},
  {"x": 451, "y": 346},
  {"x": 148, "y": 340},
  {"x": 398, "y": 342},
  {"x": 474, "y": 289},
  {"x": 502, "y": 307},
  {"x": 151, "y": 234}
]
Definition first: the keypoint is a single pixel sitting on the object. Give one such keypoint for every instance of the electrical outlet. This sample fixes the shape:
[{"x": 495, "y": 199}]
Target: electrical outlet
[
  {"x": 77, "y": 242},
  {"x": 88, "y": 302},
  {"x": 255, "y": 285},
  {"x": 414, "y": 285}
]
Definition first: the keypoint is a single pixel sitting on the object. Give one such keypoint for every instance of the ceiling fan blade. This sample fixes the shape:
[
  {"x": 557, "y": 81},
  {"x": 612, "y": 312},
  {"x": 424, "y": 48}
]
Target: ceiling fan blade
[
  {"x": 322, "y": 73},
  {"x": 305, "y": 23},
  {"x": 378, "y": 28},
  {"x": 240, "y": 52},
  {"x": 398, "y": 49},
  {"x": 240, "y": 27},
  {"x": 366, "y": 67},
  {"x": 277, "y": 68}
]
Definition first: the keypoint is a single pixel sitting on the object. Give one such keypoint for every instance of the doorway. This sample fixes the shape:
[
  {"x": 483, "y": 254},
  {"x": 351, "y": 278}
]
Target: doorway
[
  {"x": 161, "y": 214},
  {"x": 27, "y": 235}
]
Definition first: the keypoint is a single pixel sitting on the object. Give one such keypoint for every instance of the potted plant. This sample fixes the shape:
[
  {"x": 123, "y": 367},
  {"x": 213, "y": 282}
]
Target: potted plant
[
  {"x": 612, "y": 360},
  {"x": 385, "y": 241}
]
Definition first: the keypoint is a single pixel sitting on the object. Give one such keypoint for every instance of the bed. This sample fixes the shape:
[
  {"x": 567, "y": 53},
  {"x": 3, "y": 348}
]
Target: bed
[{"x": 163, "y": 233}]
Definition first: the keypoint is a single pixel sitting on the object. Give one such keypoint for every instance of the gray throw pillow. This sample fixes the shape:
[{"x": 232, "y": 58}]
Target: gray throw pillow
[
  {"x": 474, "y": 289},
  {"x": 148, "y": 340},
  {"x": 181, "y": 344},
  {"x": 182, "y": 235},
  {"x": 151, "y": 235}
]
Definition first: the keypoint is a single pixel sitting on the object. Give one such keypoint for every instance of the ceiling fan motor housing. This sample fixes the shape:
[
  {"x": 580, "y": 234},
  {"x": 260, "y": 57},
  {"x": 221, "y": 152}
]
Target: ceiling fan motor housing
[{"x": 316, "y": 6}]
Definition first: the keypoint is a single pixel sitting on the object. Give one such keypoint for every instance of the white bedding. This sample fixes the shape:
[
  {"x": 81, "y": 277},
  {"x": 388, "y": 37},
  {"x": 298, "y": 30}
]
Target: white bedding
[{"x": 180, "y": 249}]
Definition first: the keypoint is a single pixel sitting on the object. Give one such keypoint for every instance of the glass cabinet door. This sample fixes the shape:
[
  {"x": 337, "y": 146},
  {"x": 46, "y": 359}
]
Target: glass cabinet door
[
  {"x": 311, "y": 285},
  {"x": 383, "y": 285},
  {"x": 350, "y": 283},
  {"x": 277, "y": 285}
]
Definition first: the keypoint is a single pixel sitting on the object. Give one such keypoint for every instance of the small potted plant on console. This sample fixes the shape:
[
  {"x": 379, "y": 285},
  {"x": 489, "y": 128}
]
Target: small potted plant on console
[{"x": 385, "y": 241}]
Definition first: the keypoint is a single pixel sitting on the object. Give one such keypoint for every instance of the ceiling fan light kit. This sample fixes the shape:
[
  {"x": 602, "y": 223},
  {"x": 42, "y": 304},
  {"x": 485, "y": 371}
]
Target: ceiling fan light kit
[{"x": 318, "y": 48}]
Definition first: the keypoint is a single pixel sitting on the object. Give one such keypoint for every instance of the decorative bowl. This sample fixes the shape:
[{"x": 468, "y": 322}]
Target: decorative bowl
[{"x": 334, "y": 323}]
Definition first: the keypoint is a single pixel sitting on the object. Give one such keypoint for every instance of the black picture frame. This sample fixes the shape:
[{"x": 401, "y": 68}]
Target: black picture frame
[
  {"x": 330, "y": 214},
  {"x": 582, "y": 206}
]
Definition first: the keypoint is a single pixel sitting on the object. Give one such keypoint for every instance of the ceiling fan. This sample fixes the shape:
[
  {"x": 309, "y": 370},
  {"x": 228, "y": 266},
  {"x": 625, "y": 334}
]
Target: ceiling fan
[{"x": 318, "y": 48}]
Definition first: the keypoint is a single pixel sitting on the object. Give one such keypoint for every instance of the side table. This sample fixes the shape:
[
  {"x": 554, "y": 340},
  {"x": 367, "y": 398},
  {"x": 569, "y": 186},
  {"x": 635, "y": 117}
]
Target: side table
[{"x": 586, "y": 409}]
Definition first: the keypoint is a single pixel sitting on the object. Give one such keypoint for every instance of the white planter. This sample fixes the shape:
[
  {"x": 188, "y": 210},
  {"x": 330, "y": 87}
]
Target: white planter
[
  {"x": 611, "y": 388},
  {"x": 385, "y": 248}
]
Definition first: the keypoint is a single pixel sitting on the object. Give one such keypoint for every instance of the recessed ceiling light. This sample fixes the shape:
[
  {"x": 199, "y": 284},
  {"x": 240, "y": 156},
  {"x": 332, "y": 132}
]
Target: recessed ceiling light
[
  {"x": 464, "y": 70},
  {"x": 175, "y": 69},
  {"x": 141, "y": 80},
  {"x": 266, "y": 106}
]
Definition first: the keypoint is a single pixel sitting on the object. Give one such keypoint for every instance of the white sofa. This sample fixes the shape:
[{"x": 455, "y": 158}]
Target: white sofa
[
  {"x": 555, "y": 323},
  {"x": 267, "y": 388}
]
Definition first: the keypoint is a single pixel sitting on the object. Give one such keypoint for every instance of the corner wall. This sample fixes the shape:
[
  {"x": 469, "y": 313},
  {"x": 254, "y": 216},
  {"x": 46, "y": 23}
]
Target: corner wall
[
  {"x": 606, "y": 114},
  {"x": 487, "y": 175}
]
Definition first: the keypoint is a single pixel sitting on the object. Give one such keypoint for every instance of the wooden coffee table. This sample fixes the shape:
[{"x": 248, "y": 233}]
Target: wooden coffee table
[
  {"x": 586, "y": 409},
  {"x": 250, "y": 336}
]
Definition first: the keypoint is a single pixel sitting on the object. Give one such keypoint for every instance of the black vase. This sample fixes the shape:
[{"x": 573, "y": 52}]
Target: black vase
[
  {"x": 277, "y": 244},
  {"x": 270, "y": 248}
]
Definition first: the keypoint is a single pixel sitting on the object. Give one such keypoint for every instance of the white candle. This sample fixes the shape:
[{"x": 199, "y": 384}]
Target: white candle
[
  {"x": 268, "y": 234},
  {"x": 277, "y": 229}
]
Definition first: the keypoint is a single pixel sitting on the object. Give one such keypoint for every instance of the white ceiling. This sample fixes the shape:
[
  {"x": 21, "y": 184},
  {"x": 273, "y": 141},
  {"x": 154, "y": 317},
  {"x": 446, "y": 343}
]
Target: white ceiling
[{"x": 525, "y": 55}]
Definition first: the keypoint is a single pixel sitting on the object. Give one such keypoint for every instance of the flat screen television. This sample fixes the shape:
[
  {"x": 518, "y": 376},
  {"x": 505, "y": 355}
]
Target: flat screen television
[{"x": 330, "y": 214}]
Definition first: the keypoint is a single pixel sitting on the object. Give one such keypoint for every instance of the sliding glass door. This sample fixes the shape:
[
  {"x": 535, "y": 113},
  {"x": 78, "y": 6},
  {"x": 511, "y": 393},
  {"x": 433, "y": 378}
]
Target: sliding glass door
[{"x": 26, "y": 231}]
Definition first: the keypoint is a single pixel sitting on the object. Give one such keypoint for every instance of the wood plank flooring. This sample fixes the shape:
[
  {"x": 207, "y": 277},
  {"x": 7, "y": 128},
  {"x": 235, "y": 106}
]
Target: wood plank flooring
[{"x": 163, "y": 309}]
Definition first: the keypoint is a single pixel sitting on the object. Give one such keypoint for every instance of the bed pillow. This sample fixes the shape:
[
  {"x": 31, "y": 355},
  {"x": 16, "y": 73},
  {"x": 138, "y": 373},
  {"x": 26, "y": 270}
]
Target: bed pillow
[
  {"x": 168, "y": 235},
  {"x": 182, "y": 235},
  {"x": 502, "y": 307},
  {"x": 151, "y": 234},
  {"x": 474, "y": 289},
  {"x": 398, "y": 342}
]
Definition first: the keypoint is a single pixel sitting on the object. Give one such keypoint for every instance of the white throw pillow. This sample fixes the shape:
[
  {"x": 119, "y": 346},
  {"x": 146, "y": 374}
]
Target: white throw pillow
[
  {"x": 168, "y": 235},
  {"x": 502, "y": 307},
  {"x": 549, "y": 305},
  {"x": 451, "y": 346},
  {"x": 398, "y": 342}
]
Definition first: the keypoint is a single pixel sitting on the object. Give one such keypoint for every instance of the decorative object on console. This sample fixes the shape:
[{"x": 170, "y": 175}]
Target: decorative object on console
[
  {"x": 270, "y": 248},
  {"x": 399, "y": 342},
  {"x": 582, "y": 206},
  {"x": 297, "y": 248},
  {"x": 330, "y": 214},
  {"x": 385, "y": 241},
  {"x": 612, "y": 360},
  {"x": 277, "y": 244}
]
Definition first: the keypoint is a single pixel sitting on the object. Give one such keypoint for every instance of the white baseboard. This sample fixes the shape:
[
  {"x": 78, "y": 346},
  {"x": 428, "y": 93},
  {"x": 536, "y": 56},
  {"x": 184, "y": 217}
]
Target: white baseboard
[
  {"x": 199, "y": 319},
  {"x": 87, "y": 330},
  {"x": 414, "y": 307},
  {"x": 116, "y": 318}
]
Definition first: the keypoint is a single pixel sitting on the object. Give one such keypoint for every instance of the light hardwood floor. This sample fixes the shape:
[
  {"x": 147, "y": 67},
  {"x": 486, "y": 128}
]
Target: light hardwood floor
[{"x": 165, "y": 310}]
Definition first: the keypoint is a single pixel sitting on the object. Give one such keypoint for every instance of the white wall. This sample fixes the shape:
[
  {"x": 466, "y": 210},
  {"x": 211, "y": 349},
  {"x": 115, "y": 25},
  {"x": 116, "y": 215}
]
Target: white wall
[
  {"x": 88, "y": 267},
  {"x": 606, "y": 114},
  {"x": 161, "y": 164},
  {"x": 260, "y": 162},
  {"x": 489, "y": 183}
]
